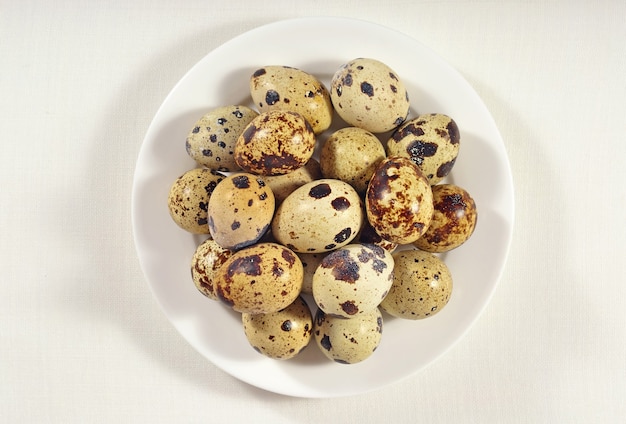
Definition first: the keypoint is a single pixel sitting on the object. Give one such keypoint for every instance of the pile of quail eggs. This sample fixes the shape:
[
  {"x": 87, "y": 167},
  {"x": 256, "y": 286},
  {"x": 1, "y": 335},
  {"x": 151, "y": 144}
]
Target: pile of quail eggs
[{"x": 309, "y": 249}]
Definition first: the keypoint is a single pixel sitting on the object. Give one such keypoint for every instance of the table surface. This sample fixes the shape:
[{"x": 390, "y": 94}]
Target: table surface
[{"x": 82, "y": 339}]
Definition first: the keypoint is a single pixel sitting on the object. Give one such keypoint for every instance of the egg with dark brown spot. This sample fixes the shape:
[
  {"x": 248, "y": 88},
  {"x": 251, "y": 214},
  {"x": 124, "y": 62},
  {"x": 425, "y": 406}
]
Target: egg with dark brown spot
[
  {"x": 240, "y": 211},
  {"x": 275, "y": 142},
  {"x": 211, "y": 140},
  {"x": 320, "y": 216},
  {"x": 348, "y": 341},
  {"x": 431, "y": 141},
  {"x": 289, "y": 88},
  {"x": 260, "y": 279},
  {"x": 282, "y": 334},
  {"x": 399, "y": 201},
  {"x": 454, "y": 219},
  {"x": 353, "y": 280},
  {"x": 368, "y": 94}
]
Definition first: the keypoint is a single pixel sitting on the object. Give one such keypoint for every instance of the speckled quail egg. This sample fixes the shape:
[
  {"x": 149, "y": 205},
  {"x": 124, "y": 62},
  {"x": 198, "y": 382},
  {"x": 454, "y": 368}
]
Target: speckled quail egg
[
  {"x": 275, "y": 142},
  {"x": 368, "y": 94},
  {"x": 189, "y": 196},
  {"x": 288, "y": 88},
  {"x": 260, "y": 279},
  {"x": 318, "y": 217},
  {"x": 240, "y": 210},
  {"x": 399, "y": 201},
  {"x": 283, "y": 185},
  {"x": 422, "y": 285},
  {"x": 310, "y": 262},
  {"x": 353, "y": 280},
  {"x": 211, "y": 141},
  {"x": 282, "y": 334},
  {"x": 453, "y": 221},
  {"x": 206, "y": 260},
  {"x": 351, "y": 154},
  {"x": 431, "y": 141},
  {"x": 348, "y": 340}
]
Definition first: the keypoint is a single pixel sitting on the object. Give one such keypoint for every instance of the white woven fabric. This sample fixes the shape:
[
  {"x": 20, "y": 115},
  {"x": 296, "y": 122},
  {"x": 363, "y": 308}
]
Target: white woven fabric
[{"x": 82, "y": 339}]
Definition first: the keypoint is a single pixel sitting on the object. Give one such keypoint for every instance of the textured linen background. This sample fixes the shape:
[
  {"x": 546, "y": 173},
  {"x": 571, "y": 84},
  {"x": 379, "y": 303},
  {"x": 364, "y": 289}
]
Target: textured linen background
[{"x": 83, "y": 340}]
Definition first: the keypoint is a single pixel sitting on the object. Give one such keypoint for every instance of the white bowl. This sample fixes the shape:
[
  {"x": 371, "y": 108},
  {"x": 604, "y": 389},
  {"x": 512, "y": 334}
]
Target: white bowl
[{"x": 320, "y": 46}]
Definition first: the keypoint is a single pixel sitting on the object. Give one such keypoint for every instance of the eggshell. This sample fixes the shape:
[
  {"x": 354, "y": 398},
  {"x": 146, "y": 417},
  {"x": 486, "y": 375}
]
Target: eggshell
[
  {"x": 422, "y": 285},
  {"x": 318, "y": 217},
  {"x": 275, "y": 142},
  {"x": 310, "y": 262},
  {"x": 288, "y": 88},
  {"x": 189, "y": 196},
  {"x": 282, "y": 334},
  {"x": 351, "y": 154},
  {"x": 368, "y": 94},
  {"x": 283, "y": 185},
  {"x": 348, "y": 341},
  {"x": 368, "y": 235},
  {"x": 399, "y": 201},
  {"x": 431, "y": 141},
  {"x": 353, "y": 280},
  {"x": 206, "y": 261},
  {"x": 260, "y": 279},
  {"x": 211, "y": 141},
  {"x": 454, "y": 219},
  {"x": 240, "y": 210}
]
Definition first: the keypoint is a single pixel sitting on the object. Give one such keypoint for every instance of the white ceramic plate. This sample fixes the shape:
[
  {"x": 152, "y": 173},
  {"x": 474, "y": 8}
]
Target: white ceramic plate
[{"x": 320, "y": 46}]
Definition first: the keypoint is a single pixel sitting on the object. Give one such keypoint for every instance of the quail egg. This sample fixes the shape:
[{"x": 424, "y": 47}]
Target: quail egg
[
  {"x": 207, "y": 259},
  {"x": 353, "y": 280},
  {"x": 351, "y": 154},
  {"x": 240, "y": 211},
  {"x": 348, "y": 341},
  {"x": 275, "y": 142},
  {"x": 318, "y": 217},
  {"x": 288, "y": 88},
  {"x": 189, "y": 197},
  {"x": 431, "y": 141},
  {"x": 260, "y": 279},
  {"x": 422, "y": 285},
  {"x": 368, "y": 94},
  {"x": 399, "y": 201},
  {"x": 453, "y": 222},
  {"x": 282, "y": 334},
  {"x": 211, "y": 141}
]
